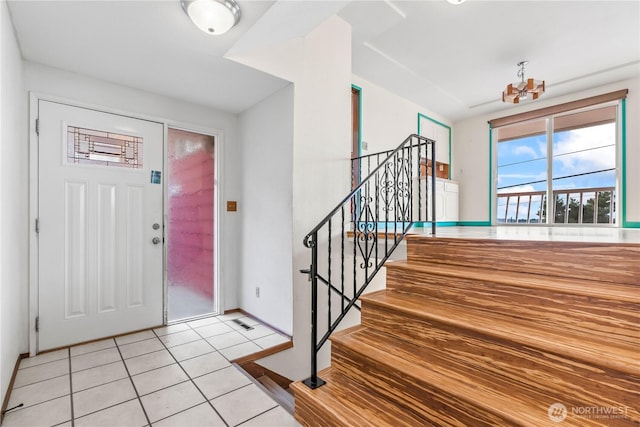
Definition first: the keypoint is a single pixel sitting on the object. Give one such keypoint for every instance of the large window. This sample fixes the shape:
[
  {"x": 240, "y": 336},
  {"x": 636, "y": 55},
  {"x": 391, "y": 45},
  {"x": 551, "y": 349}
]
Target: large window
[{"x": 563, "y": 163}]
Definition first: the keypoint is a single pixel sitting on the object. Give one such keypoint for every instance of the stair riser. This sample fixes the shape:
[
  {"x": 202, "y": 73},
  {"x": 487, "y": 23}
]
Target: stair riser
[
  {"x": 617, "y": 263},
  {"x": 549, "y": 376},
  {"x": 311, "y": 413},
  {"x": 614, "y": 321},
  {"x": 336, "y": 404}
]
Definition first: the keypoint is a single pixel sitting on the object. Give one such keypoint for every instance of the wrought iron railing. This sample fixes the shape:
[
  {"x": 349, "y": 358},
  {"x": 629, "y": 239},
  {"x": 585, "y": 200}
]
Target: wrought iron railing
[
  {"x": 351, "y": 244},
  {"x": 570, "y": 206}
]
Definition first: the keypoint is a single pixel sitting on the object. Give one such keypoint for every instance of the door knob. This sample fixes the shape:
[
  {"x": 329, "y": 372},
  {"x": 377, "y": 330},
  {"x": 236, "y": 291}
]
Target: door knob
[{"x": 155, "y": 240}]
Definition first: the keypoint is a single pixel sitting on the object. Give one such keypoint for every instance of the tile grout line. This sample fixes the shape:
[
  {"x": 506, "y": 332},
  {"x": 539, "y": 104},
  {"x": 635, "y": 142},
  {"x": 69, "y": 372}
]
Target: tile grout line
[
  {"x": 101, "y": 384},
  {"x": 41, "y": 381},
  {"x": 71, "y": 388},
  {"x": 189, "y": 376},
  {"x": 97, "y": 366},
  {"x": 144, "y": 411},
  {"x": 40, "y": 364},
  {"x": 259, "y": 415},
  {"x": 107, "y": 407}
]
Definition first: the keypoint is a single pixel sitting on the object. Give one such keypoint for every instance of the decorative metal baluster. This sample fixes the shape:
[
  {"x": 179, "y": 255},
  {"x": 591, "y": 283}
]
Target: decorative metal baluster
[
  {"x": 426, "y": 185},
  {"x": 386, "y": 225},
  {"x": 419, "y": 174},
  {"x": 329, "y": 278},
  {"x": 377, "y": 217},
  {"x": 313, "y": 381},
  {"x": 342, "y": 257},
  {"x": 366, "y": 230},
  {"x": 410, "y": 183},
  {"x": 433, "y": 188},
  {"x": 356, "y": 230},
  {"x": 396, "y": 204}
]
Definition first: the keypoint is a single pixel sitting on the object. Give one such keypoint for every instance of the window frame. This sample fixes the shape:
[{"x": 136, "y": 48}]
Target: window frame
[{"x": 614, "y": 99}]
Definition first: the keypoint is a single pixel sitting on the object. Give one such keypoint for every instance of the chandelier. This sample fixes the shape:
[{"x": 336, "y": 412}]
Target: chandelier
[{"x": 522, "y": 89}]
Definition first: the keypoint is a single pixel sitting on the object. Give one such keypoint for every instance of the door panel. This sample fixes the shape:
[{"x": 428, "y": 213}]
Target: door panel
[{"x": 100, "y": 274}]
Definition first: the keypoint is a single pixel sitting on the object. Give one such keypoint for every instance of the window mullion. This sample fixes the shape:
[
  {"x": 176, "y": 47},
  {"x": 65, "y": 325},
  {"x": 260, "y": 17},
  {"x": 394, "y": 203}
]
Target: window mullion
[{"x": 551, "y": 203}]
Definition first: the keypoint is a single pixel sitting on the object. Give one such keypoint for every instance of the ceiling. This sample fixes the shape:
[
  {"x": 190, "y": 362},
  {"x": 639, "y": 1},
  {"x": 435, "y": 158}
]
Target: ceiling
[{"x": 453, "y": 59}]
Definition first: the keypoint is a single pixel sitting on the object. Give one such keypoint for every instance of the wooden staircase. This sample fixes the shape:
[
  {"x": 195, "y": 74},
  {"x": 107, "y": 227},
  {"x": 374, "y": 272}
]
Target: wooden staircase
[{"x": 474, "y": 332}]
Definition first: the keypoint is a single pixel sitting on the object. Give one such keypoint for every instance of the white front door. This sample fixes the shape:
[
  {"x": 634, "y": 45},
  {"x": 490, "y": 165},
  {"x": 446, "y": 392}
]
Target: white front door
[{"x": 100, "y": 254}]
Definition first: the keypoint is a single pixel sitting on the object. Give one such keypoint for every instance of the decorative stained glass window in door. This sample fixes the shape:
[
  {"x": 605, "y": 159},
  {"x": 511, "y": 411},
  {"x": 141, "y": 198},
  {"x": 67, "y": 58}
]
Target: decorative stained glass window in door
[{"x": 94, "y": 147}]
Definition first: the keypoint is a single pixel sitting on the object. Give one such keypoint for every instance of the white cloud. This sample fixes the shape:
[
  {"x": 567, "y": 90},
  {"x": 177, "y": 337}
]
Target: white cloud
[
  {"x": 523, "y": 149},
  {"x": 580, "y": 142}
]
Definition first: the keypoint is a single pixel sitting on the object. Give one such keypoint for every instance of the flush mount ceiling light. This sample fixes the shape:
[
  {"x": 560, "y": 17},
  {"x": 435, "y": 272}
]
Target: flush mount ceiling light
[
  {"x": 212, "y": 16},
  {"x": 522, "y": 89},
  {"x": 456, "y": 1}
]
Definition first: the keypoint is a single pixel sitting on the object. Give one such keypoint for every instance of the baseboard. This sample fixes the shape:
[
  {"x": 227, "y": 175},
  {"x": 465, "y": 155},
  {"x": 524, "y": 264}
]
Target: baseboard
[{"x": 7, "y": 395}]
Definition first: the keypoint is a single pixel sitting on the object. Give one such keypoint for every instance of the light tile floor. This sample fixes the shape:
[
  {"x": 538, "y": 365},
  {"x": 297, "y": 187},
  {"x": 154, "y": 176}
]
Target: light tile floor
[{"x": 178, "y": 375}]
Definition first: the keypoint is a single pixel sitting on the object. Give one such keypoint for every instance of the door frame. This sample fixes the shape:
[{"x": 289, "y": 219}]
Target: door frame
[
  {"x": 33, "y": 281},
  {"x": 217, "y": 197}
]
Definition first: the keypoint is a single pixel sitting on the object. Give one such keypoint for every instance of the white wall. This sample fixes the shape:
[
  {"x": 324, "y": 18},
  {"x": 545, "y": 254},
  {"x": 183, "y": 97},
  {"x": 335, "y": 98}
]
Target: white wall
[
  {"x": 55, "y": 82},
  {"x": 471, "y": 152},
  {"x": 387, "y": 119},
  {"x": 13, "y": 205},
  {"x": 319, "y": 65},
  {"x": 266, "y": 210}
]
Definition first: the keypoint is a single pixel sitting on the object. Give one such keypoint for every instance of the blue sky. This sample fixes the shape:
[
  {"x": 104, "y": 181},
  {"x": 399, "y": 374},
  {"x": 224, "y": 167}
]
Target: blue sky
[{"x": 522, "y": 163}]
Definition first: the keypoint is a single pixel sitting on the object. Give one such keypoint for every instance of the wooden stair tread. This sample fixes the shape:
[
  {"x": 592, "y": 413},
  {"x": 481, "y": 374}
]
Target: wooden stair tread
[
  {"x": 464, "y": 385},
  {"x": 578, "y": 286},
  {"x": 618, "y": 356},
  {"x": 349, "y": 403}
]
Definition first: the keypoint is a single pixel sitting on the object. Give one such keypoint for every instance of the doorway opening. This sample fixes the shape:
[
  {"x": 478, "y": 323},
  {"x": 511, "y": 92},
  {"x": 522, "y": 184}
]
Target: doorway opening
[{"x": 191, "y": 202}]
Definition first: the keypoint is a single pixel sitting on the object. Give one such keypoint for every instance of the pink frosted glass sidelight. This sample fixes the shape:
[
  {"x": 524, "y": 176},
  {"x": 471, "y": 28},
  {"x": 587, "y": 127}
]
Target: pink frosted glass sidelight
[{"x": 190, "y": 247}]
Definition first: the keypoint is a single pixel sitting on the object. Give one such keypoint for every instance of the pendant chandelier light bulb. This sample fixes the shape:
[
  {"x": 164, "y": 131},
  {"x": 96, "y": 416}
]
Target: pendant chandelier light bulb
[{"x": 213, "y": 17}]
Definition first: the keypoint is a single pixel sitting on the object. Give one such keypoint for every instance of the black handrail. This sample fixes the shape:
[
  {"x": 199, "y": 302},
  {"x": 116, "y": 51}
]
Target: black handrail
[{"x": 382, "y": 209}]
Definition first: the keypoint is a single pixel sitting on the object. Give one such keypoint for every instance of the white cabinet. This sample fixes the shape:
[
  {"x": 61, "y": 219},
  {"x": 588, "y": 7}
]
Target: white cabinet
[{"x": 446, "y": 198}]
